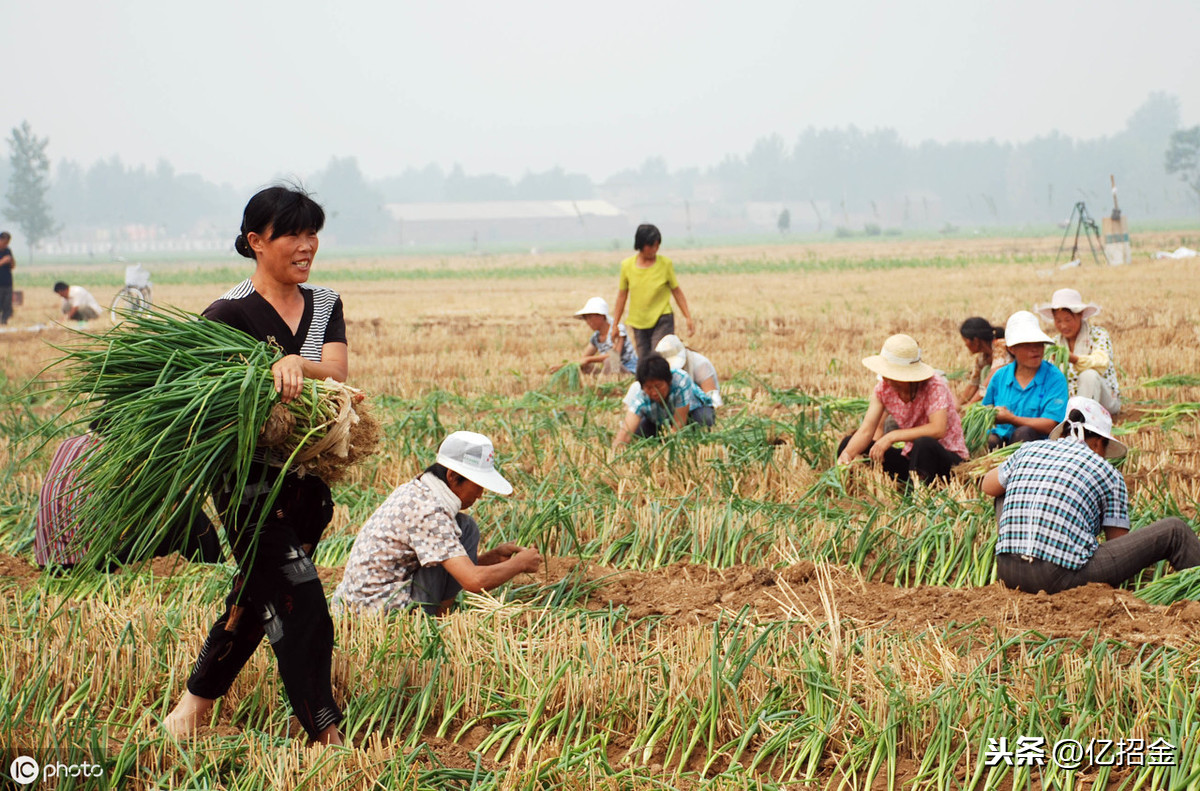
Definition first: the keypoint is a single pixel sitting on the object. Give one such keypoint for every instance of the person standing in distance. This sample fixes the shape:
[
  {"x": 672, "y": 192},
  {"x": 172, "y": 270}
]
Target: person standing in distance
[
  {"x": 647, "y": 284},
  {"x": 7, "y": 265}
]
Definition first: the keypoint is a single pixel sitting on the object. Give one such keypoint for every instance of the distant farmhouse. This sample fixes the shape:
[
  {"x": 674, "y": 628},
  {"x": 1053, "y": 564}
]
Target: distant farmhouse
[{"x": 484, "y": 222}]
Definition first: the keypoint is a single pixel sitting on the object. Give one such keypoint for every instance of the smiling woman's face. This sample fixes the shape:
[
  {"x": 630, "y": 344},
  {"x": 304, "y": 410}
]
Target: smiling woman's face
[{"x": 287, "y": 258}]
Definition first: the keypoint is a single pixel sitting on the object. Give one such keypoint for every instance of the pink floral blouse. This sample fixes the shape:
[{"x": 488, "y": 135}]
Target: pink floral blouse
[{"x": 932, "y": 394}]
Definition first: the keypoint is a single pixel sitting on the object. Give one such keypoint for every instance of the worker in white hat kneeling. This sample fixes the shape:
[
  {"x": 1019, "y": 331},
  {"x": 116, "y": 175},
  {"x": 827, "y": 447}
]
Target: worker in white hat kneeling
[
  {"x": 615, "y": 356},
  {"x": 1056, "y": 496},
  {"x": 693, "y": 363},
  {"x": 1093, "y": 371},
  {"x": 1030, "y": 394},
  {"x": 419, "y": 548}
]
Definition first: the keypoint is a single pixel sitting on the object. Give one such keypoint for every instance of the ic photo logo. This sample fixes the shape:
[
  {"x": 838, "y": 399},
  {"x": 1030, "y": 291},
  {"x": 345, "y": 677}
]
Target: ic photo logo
[{"x": 24, "y": 769}]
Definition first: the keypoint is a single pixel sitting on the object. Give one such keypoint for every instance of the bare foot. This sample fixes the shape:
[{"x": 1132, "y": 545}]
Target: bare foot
[
  {"x": 187, "y": 715},
  {"x": 330, "y": 735}
]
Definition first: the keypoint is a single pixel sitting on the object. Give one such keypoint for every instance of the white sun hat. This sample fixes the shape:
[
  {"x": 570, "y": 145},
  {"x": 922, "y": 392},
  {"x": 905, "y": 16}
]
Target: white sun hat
[
  {"x": 900, "y": 359},
  {"x": 1024, "y": 327},
  {"x": 1070, "y": 299},
  {"x": 595, "y": 305},
  {"x": 471, "y": 455},
  {"x": 673, "y": 351},
  {"x": 1096, "y": 419}
]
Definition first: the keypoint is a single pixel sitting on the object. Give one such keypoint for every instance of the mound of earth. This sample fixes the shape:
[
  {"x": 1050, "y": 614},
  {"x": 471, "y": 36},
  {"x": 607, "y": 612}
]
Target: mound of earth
[{"x": 689, "y": 593}]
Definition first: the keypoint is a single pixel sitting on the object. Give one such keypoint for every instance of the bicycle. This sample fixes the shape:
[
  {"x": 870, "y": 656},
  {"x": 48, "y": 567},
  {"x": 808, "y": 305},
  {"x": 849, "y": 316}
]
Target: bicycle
[{"x": 135, "y": 297}]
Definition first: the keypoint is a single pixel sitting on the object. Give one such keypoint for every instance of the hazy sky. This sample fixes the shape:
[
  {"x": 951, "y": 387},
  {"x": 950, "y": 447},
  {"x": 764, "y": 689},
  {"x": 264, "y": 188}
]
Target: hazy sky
[{"x": 241, "y": 91}]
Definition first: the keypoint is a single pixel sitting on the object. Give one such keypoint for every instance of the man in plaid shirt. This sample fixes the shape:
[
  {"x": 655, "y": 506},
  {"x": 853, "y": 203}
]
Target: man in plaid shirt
[{"x": 1054, "y": 498}]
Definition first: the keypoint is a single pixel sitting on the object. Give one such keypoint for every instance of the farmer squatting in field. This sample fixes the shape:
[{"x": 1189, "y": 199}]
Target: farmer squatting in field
[
  {"x": 420, "y": 548},
  {"x": 694, "y": 364},
  {"x": 662, "y": 400},
  {"x": 614, "y": 354},
  {"x": 277, "y": 591},
  {"x": 925, "y": 412},
  {"x": 1030, "y": 394},
  {"x": 1055, "y": 497},
  {"x": 1093, "y": 371}
]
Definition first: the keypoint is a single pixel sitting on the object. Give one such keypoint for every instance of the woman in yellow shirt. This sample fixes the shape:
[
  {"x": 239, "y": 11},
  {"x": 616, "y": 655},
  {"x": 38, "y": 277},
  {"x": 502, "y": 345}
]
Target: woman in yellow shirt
[{"x": 648, "y": 283}]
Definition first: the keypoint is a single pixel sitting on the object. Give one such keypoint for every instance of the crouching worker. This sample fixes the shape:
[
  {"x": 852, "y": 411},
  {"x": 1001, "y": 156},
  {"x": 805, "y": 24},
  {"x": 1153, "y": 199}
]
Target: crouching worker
[
  {"x": 919, "y": 400},
  {"x": 1058, "y": 494},
  {"x": 662, "y": 399},
  {"x": 420, "y": 549}
]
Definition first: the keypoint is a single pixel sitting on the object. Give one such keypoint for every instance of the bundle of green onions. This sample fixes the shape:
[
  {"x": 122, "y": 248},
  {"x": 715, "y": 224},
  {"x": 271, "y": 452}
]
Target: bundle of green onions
[
  {"x": 1182, "y": 585},
  {"x": 1060, "y": 357},
  {"x": 977, "y": 422},
  {"x": 183, "y": 406}
]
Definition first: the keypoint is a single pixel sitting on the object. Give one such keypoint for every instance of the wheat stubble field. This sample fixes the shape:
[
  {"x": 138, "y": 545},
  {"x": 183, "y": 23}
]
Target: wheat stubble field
[{"x": 719, "y": 610}]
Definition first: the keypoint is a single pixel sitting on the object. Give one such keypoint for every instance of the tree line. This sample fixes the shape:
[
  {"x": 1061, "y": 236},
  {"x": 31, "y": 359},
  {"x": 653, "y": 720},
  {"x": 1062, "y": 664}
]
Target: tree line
[{"x": 847, "y": 170}]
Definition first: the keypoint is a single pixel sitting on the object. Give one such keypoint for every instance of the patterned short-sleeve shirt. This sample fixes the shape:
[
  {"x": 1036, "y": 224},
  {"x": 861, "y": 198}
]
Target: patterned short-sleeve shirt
[
  {"x": 933, "y": 395},
  {"x": 603, "y": 345},
  {"x": 1058, "y": 496},
  {"x": 413, "y": 527},
  {"x": 683, "y": 392}
]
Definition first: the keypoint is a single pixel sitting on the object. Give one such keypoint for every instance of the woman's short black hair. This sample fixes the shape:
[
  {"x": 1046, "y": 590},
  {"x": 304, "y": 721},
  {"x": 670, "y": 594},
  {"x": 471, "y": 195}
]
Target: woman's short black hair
[
  {"x": 283, "y": 209},
  {"x": 60, "y": 286},
  {"x": 646, "y": 236},
  {"x": 980, "y": 329},
  {"x": 653, "y": 367}
]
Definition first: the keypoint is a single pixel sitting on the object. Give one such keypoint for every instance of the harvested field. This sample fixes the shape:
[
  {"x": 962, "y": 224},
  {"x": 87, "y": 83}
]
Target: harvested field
[{"x": 720, "y": 610}]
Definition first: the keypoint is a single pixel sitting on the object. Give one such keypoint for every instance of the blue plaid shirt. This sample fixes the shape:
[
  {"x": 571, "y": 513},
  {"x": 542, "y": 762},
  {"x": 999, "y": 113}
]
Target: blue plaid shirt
[
  {"x": 684, "y": 392},
  {"x": 1058, "y": 496}
]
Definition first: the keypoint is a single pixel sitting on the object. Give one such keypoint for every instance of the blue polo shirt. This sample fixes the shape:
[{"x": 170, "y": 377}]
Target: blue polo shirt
[{"x": 1046, "y": 395}]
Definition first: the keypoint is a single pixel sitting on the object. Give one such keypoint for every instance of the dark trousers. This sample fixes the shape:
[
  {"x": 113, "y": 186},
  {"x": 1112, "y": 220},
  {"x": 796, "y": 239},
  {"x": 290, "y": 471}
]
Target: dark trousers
[
  {"x": 277, "y": 593},
  {"x": 1020, "y": 434},
  {"x": 432, "y": 585},
  {"x": 704, "y": 416},
  {"x": 1114, "y": 562},
  {"x": 647, "y": 339},
  {"x": 5, "y": 304},
  {"x": 928, "y": 459}
]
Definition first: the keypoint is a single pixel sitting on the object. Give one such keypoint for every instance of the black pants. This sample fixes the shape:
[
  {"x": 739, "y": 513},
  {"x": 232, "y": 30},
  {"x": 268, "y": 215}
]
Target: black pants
[
  {"x": 5, "y": 304},
  {"x": 1114, "y": 562},
  {"x": 432, "y": 585},
  {"x": 276, "y": 592},
  {"x": 928, "y": 459},
  {"x": 647, "y": 339},
  {"x": 705, "y": 416},
  {"x": 1020, "y": 434}
]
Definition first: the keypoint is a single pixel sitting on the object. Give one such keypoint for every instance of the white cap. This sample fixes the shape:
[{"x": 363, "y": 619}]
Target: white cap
[
  {"x": 1024, "y": 327},
  {"x": 471, "y": 455},
  {"x": 1096, "y": 419},
  {"x": 673, "y": 351},
  {"x": 596, "y": 306}
]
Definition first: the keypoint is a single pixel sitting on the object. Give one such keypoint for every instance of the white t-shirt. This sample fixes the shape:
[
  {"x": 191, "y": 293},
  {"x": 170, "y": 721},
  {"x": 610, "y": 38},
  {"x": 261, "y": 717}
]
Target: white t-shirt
[
  {"x": 79, "y": 297},
  {"x": 701, "y": 369}
]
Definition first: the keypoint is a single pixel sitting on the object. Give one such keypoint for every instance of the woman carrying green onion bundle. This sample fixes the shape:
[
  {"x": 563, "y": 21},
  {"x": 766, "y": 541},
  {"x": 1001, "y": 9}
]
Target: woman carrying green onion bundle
[{"x": 276, "y": 591}]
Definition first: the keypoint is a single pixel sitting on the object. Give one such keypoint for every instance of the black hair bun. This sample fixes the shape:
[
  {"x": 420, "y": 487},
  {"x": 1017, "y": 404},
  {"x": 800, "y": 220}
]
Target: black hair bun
[{"x": 242, "y": 246}]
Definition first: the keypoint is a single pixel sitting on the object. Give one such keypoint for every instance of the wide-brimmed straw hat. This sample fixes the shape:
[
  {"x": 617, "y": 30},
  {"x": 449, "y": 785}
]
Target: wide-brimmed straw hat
[
  {"x": 471, "y": 455},
  {"x": 673, "y": 351},
  {"x": 900, "y": 359},
  {"x": 1097, "y": 420},
  {"x": 1024, "y": 327},
  {"x": 1070, "y": 299},
  {"x": 595, "y": 305}
]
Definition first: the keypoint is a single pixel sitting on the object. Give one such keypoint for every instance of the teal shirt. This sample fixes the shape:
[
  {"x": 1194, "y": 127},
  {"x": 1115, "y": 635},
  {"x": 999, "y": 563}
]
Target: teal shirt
[{"x": 1045, "y": 396}]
